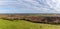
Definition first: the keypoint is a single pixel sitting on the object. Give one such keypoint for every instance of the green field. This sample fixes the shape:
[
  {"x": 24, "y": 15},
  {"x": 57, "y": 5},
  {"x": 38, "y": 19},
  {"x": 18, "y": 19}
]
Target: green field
[{"x": 21, "y": 24}]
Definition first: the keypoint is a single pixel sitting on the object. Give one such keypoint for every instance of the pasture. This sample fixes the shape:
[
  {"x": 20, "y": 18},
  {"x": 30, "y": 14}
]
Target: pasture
[{"x": 21, "y": 24}]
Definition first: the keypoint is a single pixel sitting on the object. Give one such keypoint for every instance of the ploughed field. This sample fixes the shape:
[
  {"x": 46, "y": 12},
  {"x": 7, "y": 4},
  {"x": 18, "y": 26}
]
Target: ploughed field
[{"x": 38, "y": 18}]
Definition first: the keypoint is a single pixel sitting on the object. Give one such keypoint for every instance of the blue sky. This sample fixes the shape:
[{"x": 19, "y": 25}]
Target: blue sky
[{"x": 29, "y": 6}]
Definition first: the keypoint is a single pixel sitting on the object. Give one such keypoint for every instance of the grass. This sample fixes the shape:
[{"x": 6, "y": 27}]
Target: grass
[{"x": 21, "y": 24}]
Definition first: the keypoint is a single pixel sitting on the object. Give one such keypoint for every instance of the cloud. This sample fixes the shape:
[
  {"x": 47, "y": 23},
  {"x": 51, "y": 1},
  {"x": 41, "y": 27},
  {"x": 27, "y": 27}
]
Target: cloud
[
  {"x": 30, "y": 6},
  {"x": 45, "y": 6}
]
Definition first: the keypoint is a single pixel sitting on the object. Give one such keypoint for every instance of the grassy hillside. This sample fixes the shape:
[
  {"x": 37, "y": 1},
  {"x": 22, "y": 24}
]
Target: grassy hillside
[{"x": 21, "y": 24}]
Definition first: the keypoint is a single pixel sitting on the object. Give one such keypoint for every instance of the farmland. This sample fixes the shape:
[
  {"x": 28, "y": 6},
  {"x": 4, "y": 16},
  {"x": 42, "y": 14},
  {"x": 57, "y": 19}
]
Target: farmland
[
  {"x": 21, "y": 24},
  {"x": 29, "y": 21},
  {"x": 42, "y": 18}
]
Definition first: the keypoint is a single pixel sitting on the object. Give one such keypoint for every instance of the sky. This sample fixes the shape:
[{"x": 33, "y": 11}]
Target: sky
[{"x": 29, "y": 6}]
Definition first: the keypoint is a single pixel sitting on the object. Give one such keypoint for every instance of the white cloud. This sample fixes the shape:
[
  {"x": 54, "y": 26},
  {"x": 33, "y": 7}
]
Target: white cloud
[
  {"x": 45, "y": 6},
  {"x": 7, "y": 2}
]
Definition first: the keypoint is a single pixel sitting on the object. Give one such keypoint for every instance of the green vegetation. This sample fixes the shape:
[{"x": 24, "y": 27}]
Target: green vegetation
[{"x": 21, "y": 24}]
